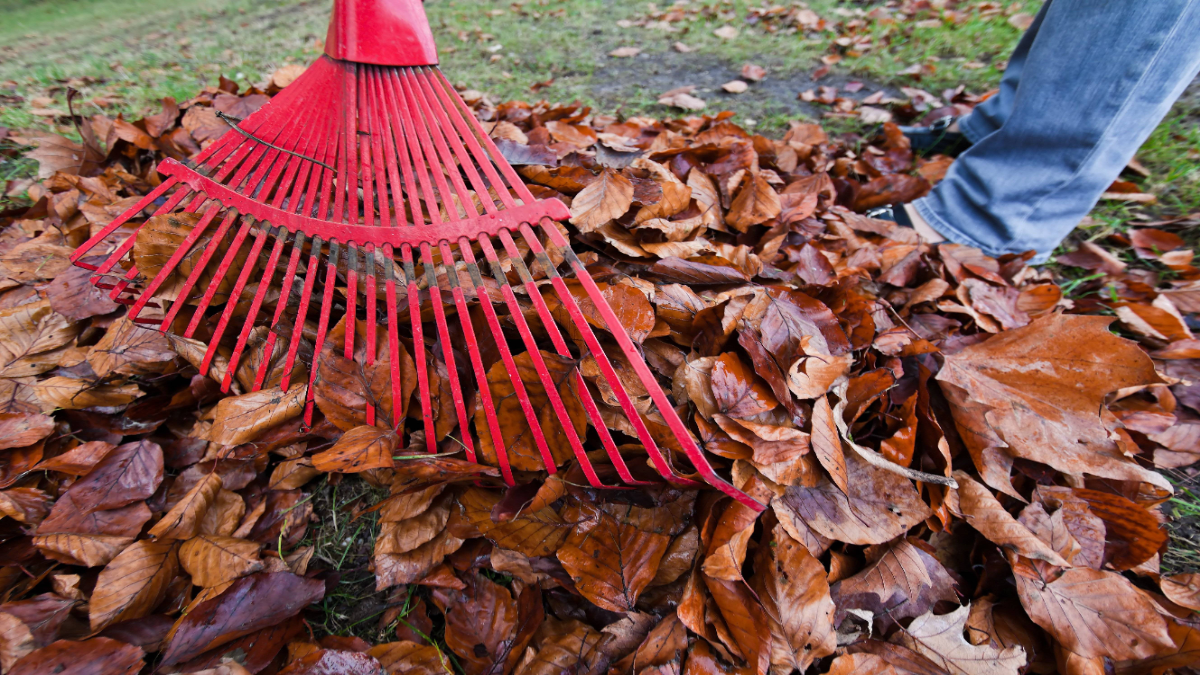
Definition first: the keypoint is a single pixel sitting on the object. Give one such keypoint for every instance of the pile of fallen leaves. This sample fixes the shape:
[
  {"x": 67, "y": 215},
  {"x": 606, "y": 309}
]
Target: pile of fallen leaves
[{"x": 958, "y": 461}]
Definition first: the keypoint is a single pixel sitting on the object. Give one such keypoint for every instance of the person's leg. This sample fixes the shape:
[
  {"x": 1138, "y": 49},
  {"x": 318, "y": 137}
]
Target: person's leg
[
  {"x": 990, "y": 115},
  {"x": 1097, "y": 79}
]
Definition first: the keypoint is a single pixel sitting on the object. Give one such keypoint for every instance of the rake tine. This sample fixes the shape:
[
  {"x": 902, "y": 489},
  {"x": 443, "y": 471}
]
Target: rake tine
[
  {"x": 235, "y": 295},
  {"x": 284, "y": 293},
  {"x": 371, "y": 258},
  {"x": 606, "y": 369},
  {"x": 639, "y": 365},
  {"x": 418, "y": 333},
  {"x": 439, "y": 314},
  {"x": 248, "y": 325},
  {"x": 199, "y": 268},
  {"x": 180, "y": 253},
  {"x": 497, "y": 159},
  {"x": 389, "y": 285},
  {"x": 431, "y": 134},
  {"x": 127, "y": 244},
  {"x": 539, "y": 364},
  {"x": 351, "y": 316},
  {"x": 510, "y": 366},
  {"x": 310, "y": 277},
  {"x": 219, "y": 276},
  {"x": 460, "y": 303},
  {"x": 322, "y": 327},
  {"x": 117, "y": 222},
  {"x": 560, "y": 346},
  {"x": 448, "y": 110}
]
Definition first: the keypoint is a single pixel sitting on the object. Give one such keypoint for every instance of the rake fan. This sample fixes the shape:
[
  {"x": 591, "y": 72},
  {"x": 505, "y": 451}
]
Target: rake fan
[{"x": 366, "y": 169}]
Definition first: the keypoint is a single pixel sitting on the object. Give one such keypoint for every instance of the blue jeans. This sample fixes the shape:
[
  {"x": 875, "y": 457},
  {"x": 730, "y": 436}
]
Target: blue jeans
[{"x": 1088, "y": 83}]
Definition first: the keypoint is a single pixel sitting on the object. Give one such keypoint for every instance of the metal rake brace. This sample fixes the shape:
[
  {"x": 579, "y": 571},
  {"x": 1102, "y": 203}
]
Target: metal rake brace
[{"x": 366, "y": 167}]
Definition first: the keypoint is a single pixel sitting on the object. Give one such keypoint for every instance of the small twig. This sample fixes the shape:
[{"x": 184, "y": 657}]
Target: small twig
[{"x": 233, "y": 122}]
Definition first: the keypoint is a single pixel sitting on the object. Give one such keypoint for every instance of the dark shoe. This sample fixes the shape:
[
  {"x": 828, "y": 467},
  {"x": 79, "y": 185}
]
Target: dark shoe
[
  {"x": 935, "y": 139},
  {"x": 893, "y": 213}
]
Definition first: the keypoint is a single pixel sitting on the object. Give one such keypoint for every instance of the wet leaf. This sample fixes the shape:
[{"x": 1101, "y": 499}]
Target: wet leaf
[
  {"x": 939, "y": 638},
  {"x": 240, "y": 419},
  {"x": 606, "y": 198},
  {"x": 360, "y": 449},
  {"x": 133, "y": 584},
  {"x": 212, "y": 560},
  {"x": 611, "y": 563},
  {"x": 1093, "y": 613},
  {"x": 249, "y": 604}
]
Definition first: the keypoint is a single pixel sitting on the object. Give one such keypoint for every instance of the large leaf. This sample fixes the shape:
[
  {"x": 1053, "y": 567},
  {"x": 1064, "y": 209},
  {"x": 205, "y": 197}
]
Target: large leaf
[
  {"x": 129, "y": 473},
  {"x": 519, "y": 439},
  {"x": 184, "y": 519},
  {"x": 1093, "y": 613},
  {"x": 611, "y": 563},
  {"x": 96, "y": 656},
  {"x": 878, "y": 507},
  {"x": 794, "y": 591},
  {"x": 212, "y": 560},
  {"x": 133, "y": 584},
  {"x": 607, "y": 197},
  {"x": 939, "y": 638},
  {"x": 240, "y": 419},
  {"x": 1054, "y": 413},
  {"x": 249, "y": 604},
  {"x": 360, "y": 449}
]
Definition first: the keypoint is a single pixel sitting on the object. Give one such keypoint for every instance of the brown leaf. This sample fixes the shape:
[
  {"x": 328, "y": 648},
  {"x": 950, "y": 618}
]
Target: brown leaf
[
  {"x": 827, "y": 444},
  {"x": 757, "y": 202},
  {"x": 746, "y": 621},
  {"x": 604, "y": 199},
  {"x": 878, "y": 506},
  {"x": 129, "y": 349},
  {"x": 96, "y": 656},
  {"x": 611, "y": 563},
  {"x": 939, "y": 638},
  {"x": 405, "y": 568},
  {"x": 360, "y": 449},
  {"x": 133, "y": 584},
  {"x": 28, "y": 330},
  {"x": 792, "y": 586},
  {"x": 403, "y": 658},
  {"x": 404, "y": 536},
  {"x": 240, "y": 419},
  {"x": 249, "y": 604},
  {"x": 129, "y": 473},
  {"x": 213, "y": 560},
  {"x": 517, "y": 435},
  {"x": 21, "y": 429},
  {"x": 565, "y": 647},
  {"x": 1182, "y": 589},
  {"x": 1055, "y": 413},
  {"x": 183, "y": 520},
  {"x": 481, "y": 621},
  {"x": 905, "y": 581},
  {"x": 983, "y": 512},
  {"x": 738, "y": 392},
  {"x": 72, "y": 394},
  {"x": 1093, "y": 613}
]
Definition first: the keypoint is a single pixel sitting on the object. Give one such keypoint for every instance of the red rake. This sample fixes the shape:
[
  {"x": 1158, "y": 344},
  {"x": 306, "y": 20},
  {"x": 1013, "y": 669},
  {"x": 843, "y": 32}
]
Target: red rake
[{"x": 334, "y": 171}]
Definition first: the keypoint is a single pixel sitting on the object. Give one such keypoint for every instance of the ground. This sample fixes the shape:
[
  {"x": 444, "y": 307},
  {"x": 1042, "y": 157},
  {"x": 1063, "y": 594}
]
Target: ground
[{"x": 124, "y": 55}]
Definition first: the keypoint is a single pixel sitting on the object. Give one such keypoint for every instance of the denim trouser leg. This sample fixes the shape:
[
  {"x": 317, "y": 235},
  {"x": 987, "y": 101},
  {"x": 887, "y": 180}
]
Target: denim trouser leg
[
  {"x": 990, "y": 115},
  {"x": 1094, "y": 78}
]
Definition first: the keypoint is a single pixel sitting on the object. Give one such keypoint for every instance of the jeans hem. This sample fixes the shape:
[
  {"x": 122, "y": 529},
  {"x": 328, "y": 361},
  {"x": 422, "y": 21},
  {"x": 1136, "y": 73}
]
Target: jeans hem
[{"x": 954, "y": 236}]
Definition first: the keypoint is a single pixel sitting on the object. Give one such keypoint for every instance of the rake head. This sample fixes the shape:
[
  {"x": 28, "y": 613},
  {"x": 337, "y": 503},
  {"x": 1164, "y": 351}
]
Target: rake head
[{"x": 365, "y": 202}]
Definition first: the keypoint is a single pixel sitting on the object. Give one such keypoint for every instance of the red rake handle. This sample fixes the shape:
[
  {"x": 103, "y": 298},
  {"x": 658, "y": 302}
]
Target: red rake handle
[
  {"x": 382, "y": 32},
  {"x": 414, "y": 236}
]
